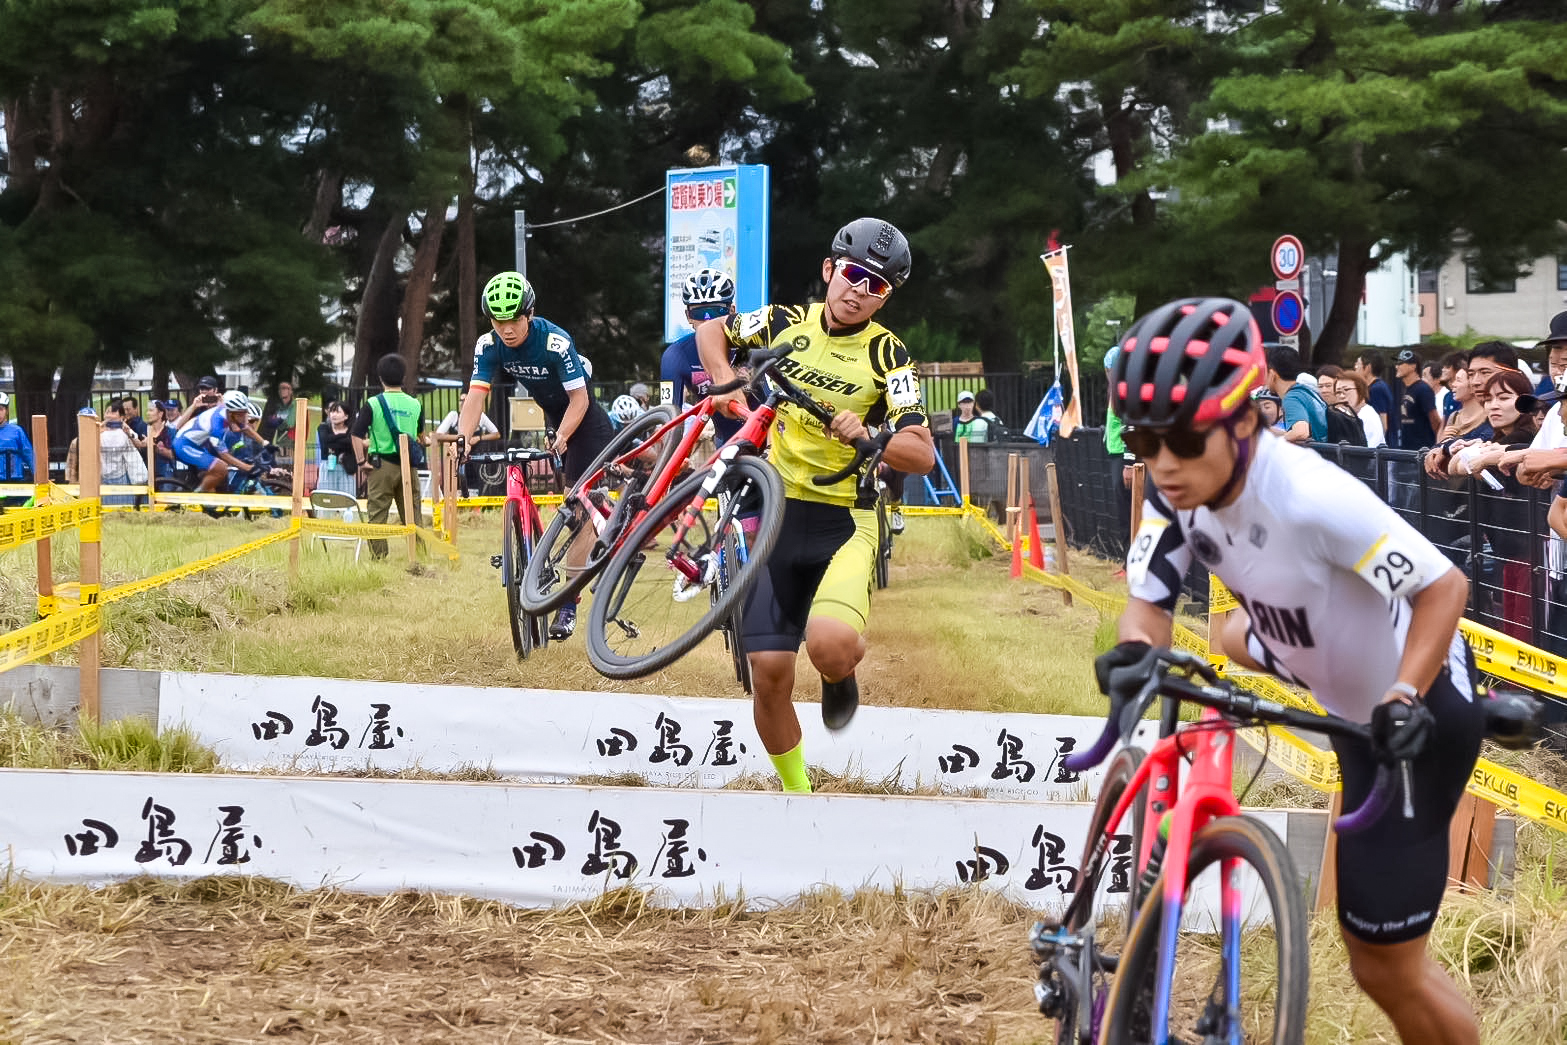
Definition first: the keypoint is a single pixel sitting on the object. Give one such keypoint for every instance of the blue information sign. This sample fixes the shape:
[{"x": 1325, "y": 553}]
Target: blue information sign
[{"x": 715, "y": 217}]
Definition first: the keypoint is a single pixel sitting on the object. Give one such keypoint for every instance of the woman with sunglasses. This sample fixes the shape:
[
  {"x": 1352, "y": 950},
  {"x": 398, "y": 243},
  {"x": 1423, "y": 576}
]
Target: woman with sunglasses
[
  {"x": 817, "y": 584},
  {"x": 1327, "y": 575}
]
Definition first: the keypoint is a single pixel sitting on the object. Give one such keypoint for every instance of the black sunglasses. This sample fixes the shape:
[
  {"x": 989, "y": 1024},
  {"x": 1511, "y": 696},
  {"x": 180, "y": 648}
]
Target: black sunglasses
[{"x": 1183, "y": 442}]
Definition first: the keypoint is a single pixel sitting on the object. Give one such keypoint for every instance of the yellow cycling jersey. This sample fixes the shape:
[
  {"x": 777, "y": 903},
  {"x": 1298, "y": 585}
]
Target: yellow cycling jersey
[{"x": 864, "y": 368}]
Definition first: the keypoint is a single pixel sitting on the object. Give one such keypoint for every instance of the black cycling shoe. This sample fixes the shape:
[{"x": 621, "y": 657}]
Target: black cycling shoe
[
  {"x": 839, "y": 701},
  {"x": 565, "y": 622}
]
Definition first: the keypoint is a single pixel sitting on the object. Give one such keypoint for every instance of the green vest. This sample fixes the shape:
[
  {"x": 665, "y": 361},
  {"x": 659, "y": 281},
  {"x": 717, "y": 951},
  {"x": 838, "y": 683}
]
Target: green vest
[{"x": 405, "y": 408}]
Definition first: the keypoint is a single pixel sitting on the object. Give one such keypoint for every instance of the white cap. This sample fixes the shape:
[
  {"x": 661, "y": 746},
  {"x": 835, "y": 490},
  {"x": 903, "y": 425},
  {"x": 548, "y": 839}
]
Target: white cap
[
  {"x": 965, "y": 394},
  {"x": 5, "y": 399},
  {"x": 1306, "y": 379}
]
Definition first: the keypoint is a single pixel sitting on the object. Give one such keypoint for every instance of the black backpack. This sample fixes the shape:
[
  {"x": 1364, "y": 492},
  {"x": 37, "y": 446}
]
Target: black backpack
[{"x": 1345, "y": 427}]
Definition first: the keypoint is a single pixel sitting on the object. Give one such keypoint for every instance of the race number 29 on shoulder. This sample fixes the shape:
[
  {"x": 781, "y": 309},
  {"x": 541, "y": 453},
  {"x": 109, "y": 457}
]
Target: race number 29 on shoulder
[
  {"x": 1141, "y": 553},
  {"x": 1393, "y": 571}
]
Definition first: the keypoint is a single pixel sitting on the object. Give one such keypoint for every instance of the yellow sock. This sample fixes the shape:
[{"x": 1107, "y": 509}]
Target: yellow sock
[{"x": 791, "y": 769}]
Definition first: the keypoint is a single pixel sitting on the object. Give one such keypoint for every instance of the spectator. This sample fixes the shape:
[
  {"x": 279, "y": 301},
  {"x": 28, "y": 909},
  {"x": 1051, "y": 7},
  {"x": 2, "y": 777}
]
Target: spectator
[
  {"x": 130, "y": 409},
  {"x": 277, "y": 418},
  {"x": 1327, "y": 384},
  {"x": 376, "y": 446},
  {"x": 639, "y": 392},
  {"x": 339, "y": 467},
  {"x": 1431, "y": 374},
  {"x": 985, "y": 402},
  {"x": 119, "y": 461},
  {"x": 1509, "y": 402},
  {"x": 73, "y": 470},
  {"x": 1271, "y": 407},
  {"x": 468, "y": 474},
  {"x": 160, "y": 431},
  {"x": 1115, "y": 446},
  {"x": 1305, "y": 414},
  {"x": 1468, "y": 413},
  {"x": 1351, "y": 388},
  {"x": 1370, "y": 366},
  {"x": 1418, "y": 419},
  {"x": 1546, "y": 458},
  {"x": 967, "y": 424},
  {"x": 16, "y": 453},
  {"x": 1452, "y": 363}
]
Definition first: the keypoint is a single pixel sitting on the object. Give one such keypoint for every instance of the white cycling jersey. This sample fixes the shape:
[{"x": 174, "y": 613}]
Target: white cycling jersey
[{"x": 1324, "y": 569}]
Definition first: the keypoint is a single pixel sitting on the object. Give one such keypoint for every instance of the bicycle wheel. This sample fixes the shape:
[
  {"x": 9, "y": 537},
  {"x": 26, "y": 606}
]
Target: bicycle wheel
[
  {"x": 171, "y": 485},
  {"x": 1078, "y": 991},
  {"x": 549, "y": 581},
  {"x": 514, "y": 560},
  {"x": 735, "y": 551},
  {"x": 1271, "y": 1005},
  {"x": 647, "y": 609},
  {"x": 883, "y": 545}
]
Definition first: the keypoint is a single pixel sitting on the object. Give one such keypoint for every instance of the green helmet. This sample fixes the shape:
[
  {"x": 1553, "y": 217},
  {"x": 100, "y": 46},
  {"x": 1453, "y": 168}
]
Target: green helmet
[{"x": 506, "y": 295}]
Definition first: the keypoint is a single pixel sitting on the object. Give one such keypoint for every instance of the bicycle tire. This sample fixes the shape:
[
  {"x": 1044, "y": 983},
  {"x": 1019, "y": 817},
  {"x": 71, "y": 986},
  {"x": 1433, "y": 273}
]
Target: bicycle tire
[
  {"x": 1118, "y": 776},
  {"x": 548, "y": 583},
  {"x": 514, "y": 560},
  {"x": 733, "y": 639},
  {"x": 883, "y": 545},
  {"x": 1248, "y": 840},
  {"x": 624, "y": 588},
  {"x": 168, "y": 484}
]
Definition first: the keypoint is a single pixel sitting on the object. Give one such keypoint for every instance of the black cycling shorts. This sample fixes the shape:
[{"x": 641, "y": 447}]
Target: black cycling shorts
[
  {"x": 587, "y": 442},
  {"x": 1392, "y": 875},
  {"x": 816, "y": 542}
]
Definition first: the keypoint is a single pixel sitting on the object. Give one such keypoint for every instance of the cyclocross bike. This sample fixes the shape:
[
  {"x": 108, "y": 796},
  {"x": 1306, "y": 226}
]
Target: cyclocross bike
[
  {"x": 521, "y": 529},
  {"x": 883, "y": 535},
  {"x": 1115, "y": 987},
  {"x": 710, "y": 535}
]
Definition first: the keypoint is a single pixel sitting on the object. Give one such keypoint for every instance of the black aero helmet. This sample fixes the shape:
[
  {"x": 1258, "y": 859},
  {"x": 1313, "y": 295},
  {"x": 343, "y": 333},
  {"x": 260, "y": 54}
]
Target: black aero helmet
[
  {"x": 506, "y": 295},
  {"x": 876, "y": 244},
  {"x": 1191, "y": 362}
]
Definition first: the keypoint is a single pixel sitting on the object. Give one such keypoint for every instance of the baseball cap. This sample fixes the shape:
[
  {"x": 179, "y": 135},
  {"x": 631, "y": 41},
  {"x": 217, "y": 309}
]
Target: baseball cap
[
  {"x": 207, "y": 382},
  {"x": 1406, "y": 356},
  {"x": 171, "y": 404},
  {"x": 1558, "y": 330},
  {"x": 965, "y": 394},
  {"x": 86, "y": 411},
  {"x": 5, "y": 399}
]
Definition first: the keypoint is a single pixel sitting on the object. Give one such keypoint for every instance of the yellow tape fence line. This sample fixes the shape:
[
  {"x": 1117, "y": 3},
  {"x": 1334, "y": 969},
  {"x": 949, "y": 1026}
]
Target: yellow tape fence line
[
  {"x": 19, "y": 528},
  {"x": 47, "y": 636}
]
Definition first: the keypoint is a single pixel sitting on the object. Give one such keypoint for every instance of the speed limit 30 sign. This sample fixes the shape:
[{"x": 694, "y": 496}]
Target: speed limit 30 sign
[{"x": 1288, "y": 257}]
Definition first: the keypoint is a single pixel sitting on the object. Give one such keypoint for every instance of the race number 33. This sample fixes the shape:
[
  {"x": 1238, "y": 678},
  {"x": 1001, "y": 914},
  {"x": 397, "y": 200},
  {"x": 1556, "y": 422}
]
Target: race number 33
[{"x": 1391, "y": 570}]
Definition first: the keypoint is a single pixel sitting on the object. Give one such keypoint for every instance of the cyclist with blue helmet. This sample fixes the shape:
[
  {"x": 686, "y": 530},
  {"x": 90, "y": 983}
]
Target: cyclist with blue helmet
[{"x": 542, "y": 358}]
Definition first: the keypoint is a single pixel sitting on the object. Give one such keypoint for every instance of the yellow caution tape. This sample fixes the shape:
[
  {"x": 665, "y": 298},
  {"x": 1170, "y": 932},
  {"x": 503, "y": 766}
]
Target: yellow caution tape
[
  {"x": 157, "y": 580},
  {"x": 45, "y": 637},
  {"x": 1506, "y": 658},
  {"x": 1220, "y": 598},
  {"x": 23, "y": 527},
  {"x": 253, "y": 501}
]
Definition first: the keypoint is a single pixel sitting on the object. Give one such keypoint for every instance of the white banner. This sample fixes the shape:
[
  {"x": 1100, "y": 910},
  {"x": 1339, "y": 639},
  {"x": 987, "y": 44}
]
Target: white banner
[
  {"x": 540, "y": 845},
  {"x": 335, "y": 725}
]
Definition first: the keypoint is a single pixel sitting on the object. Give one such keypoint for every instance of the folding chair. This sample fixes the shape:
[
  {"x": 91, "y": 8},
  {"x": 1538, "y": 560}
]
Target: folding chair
[{"x": 339, "y": 507}]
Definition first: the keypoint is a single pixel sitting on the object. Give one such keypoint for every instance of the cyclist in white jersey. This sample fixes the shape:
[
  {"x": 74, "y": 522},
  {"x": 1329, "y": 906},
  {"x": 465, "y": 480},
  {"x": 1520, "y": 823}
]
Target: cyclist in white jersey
[{"x": 1339, "y": 594}]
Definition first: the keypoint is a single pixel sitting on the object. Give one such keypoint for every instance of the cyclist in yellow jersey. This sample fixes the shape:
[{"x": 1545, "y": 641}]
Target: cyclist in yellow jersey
[{"x": 817, "y": 583}]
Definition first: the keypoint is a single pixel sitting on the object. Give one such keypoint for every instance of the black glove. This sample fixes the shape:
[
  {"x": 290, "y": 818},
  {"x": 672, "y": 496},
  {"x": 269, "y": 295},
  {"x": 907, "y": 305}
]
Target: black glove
[
  {"x": 1400, "y": 730},
  {"x": 1123, "y": 655}
]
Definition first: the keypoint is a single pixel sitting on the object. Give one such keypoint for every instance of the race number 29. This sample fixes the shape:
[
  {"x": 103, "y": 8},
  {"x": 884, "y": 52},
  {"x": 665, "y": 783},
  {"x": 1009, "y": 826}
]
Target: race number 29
[
  {"x": 1391, "y": 570},
  {"x": 1141, "y": 553}
]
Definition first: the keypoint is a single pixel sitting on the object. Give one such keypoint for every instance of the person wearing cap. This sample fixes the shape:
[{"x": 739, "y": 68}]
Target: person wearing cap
[
  {"x": 1543, "y": 463},
  {"x": 16, "y": 450},
  {"x": 1417, "y": 413},
  {"x": 967, "y": 423}
]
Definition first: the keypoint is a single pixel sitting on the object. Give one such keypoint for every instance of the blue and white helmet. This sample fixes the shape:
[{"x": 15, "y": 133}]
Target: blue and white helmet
[
  {"x": 625, "y": 409},
  {"x": 707, "y": 287}
]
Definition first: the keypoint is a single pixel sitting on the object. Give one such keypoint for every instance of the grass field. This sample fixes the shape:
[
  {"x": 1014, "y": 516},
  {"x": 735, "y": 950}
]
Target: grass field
[{"x": 227, "y": 960}]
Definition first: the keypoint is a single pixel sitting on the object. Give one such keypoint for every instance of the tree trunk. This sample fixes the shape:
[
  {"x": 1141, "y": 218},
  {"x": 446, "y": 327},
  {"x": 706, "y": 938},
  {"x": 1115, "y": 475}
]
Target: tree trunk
[
  {"x": 35, "y": 391},
  {"x": 375, "y": 334},
  {"x": 416, "y": 295},
  {"x": 1354, "y": 261},
  {"x": 467, "y": 282},
  {"x": 160, "y": 379},
  {"x": 329, "y": 193},
  {"x": 1127, "y": 135},
  {"x": 76, "y": 374}
]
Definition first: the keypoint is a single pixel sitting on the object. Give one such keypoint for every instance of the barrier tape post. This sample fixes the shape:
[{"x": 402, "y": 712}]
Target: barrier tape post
[
  {"x": 1137, "y": 499},
  {"x": 301, "y": 421},
  {"x": 449, "y": 491},
  {"x": 406, "y": 509},
  {"x": 46, "y": 603},
  {"x": 963, "y": 471},
  {"x": 152, "y": 471},
  {"x": 1057, "y": 520},
  {"x": 91, "y": 551},
  {"x": 1012, "y": 498}
]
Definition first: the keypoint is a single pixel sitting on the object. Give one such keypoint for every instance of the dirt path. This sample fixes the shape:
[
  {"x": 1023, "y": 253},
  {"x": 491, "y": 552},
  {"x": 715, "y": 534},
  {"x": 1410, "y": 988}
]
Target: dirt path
[{"x": 228, "y": 961}]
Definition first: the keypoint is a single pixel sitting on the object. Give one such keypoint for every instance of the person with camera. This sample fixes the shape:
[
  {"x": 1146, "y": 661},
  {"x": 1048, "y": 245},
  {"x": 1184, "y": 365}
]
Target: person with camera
[
  {"x": 376, "y": 428},
  {"x": 1327, "y": 575}
]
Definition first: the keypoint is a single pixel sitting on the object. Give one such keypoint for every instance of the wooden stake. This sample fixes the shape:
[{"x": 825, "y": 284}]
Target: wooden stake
[
  {"x": 1012, "y": 508},
  {"x": 46, "y": 604},
  {"x": 963, "y": 471},
  {"x": 449, "y": 488},
  {"x": 409, "y": 518},
  {"x": 1137, "y": 499},
  {"x": 152, "y": 472},
  {"x": 1327, "y": 874},
  {"x": 301, "y": 422},
  {"x": 1058, "y": 523},
  {"x": 1021, "y": 515},
  {"x": 88, "y": 462}
]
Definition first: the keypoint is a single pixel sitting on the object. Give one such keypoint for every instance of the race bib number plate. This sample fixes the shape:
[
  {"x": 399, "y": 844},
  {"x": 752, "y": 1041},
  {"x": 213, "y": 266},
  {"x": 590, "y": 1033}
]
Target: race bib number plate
[
  {"x": 666, "y": 393},
  {"x": 557, "y": 343},
  {"x": 751, "y": 323},
  {"x": 903, "y": 388},
  {"x": 1390, "y": 569},
  {"x": 1141, "y": 552}
]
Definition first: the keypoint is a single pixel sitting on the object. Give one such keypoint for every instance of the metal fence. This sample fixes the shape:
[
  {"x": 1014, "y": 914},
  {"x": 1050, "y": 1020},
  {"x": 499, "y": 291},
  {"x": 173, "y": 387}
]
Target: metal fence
[{"x": 1517, "y": 569}]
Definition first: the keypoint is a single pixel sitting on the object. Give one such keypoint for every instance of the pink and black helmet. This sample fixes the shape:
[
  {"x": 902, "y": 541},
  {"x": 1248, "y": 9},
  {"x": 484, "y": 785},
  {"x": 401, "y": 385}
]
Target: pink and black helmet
[{"x": 1190, "y": 363}]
